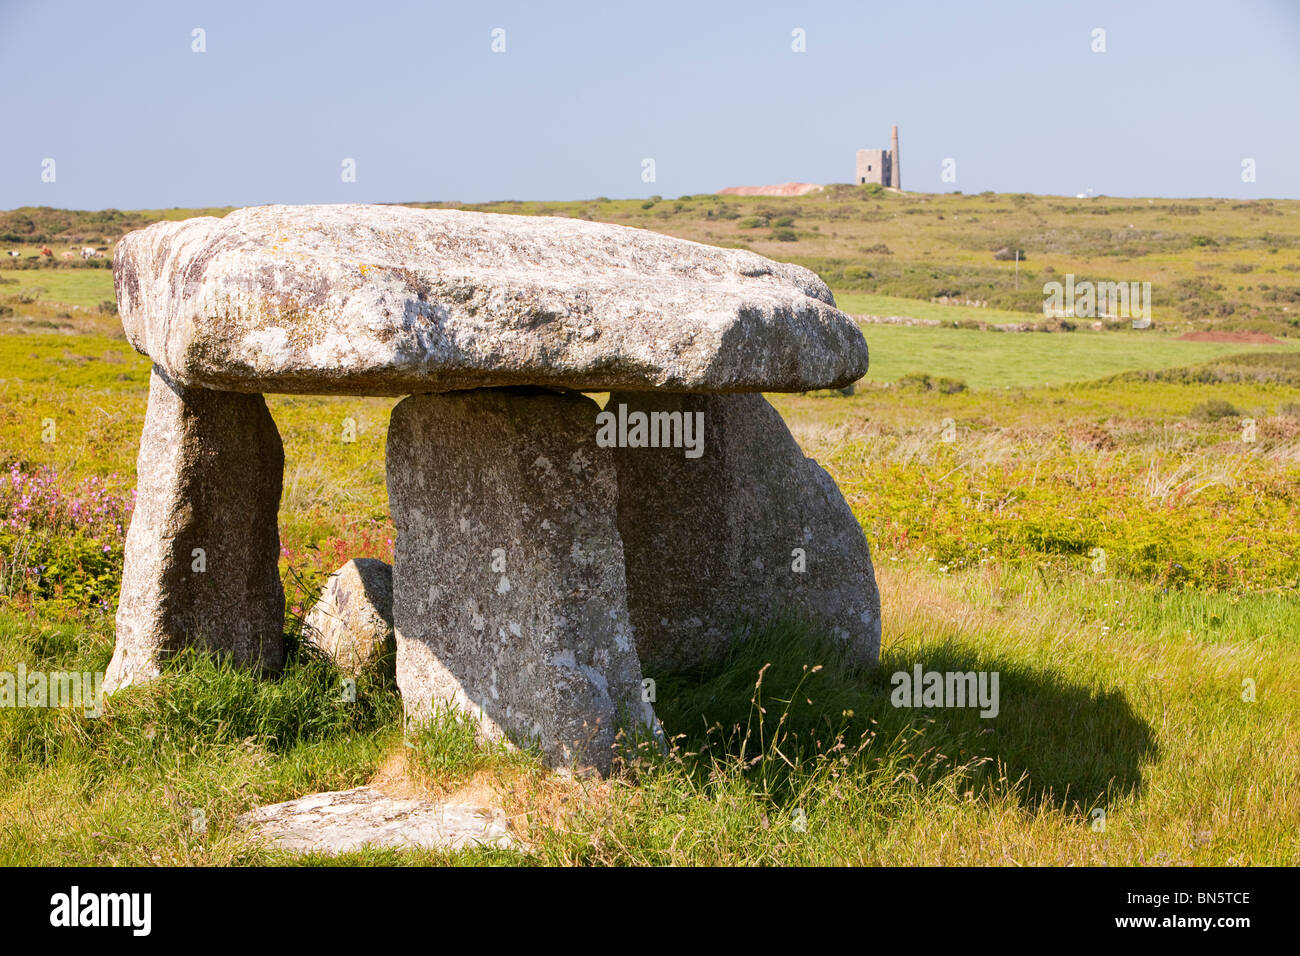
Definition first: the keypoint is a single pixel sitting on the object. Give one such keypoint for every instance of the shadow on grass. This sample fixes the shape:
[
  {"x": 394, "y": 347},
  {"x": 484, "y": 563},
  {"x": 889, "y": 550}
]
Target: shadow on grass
[
  {"x": 1070, "y": 746},
  {"x": 1052, "y": 741}
]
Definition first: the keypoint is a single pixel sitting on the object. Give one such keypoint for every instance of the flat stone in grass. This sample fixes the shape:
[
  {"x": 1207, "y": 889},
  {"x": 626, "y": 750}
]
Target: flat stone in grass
[
  {"x": 509, "y": 594},
  {"x": 343, "y": 821},
  {"x": 203, "y": 546},
  {"x": 744, "y": 529},
  {"x": 387, "y": 300}
]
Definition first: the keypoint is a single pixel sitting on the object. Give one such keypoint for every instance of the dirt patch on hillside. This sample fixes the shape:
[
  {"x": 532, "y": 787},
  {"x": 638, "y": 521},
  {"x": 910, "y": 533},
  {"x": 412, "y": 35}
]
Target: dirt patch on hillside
[
  {"x": 780, "y": 189},
  {"x": 1247, "y": 338}
]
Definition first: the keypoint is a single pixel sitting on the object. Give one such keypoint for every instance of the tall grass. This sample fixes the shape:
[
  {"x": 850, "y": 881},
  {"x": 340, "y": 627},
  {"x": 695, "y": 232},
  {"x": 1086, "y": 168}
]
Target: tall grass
[{"x": 1112, "y": 697}]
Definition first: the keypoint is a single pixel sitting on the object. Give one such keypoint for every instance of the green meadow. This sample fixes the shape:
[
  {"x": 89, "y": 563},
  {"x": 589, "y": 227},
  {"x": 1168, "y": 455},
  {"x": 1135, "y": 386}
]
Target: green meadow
[
  {"x": 1108, "y": 520},
  {"x": 86, "y": 288},
  {"x": 1024, "y": 359}
]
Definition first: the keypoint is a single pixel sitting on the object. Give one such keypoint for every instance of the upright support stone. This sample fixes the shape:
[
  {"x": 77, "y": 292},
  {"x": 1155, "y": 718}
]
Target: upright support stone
[
  {"x": 509, "y": 598},
  {"x": 203, "y": 546},
  {"x": 741, "y": 531}
]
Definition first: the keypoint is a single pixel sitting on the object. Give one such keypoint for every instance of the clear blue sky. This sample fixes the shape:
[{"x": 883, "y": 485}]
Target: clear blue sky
[{"x": 713, "y": 92}]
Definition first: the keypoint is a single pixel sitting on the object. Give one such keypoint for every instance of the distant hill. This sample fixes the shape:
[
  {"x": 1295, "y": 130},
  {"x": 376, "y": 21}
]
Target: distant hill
[
  {"x": 43, "y": 225},
  {"x": 1212, "y": 263}
]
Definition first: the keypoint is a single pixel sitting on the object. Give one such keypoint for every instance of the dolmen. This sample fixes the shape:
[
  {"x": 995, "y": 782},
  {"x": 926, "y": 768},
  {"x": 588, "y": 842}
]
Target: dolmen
[{"x": 552, "y": 558}]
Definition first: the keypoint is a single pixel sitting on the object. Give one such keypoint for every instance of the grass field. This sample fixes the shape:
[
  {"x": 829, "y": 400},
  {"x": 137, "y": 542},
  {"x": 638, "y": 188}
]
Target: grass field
[
  {"x": 86, "y": 288},
  {"x": 1023, "y": 359},
  {"x": 1121, "y": 550}
]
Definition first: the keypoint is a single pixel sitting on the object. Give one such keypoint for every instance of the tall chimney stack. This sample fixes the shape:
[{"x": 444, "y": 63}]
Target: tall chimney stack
[{"x": 895, "y": 174}]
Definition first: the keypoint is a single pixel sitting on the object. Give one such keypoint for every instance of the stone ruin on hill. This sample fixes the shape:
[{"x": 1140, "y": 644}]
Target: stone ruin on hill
[{"x": 548, "y": 555}]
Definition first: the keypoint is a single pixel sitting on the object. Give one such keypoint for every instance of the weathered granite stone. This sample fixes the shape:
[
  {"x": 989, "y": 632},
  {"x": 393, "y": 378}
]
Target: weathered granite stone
[
  {"x": 203, "y": 546},
  {"x": 342, "y": 821},
  {"x": 509, "y": 595},
  {"x": 388, "y": 300},
  {"x": 716, "y": 542},
  {"x": 352, "y": 623}
]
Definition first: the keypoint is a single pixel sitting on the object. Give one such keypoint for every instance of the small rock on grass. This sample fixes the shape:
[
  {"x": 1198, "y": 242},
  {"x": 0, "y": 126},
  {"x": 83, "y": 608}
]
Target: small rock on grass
[{"x": 352, "y": 623}]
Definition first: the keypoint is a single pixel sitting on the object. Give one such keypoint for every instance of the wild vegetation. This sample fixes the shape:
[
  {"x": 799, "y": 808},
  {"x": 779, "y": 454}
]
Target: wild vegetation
[{"x": 1121, "y": 550}]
